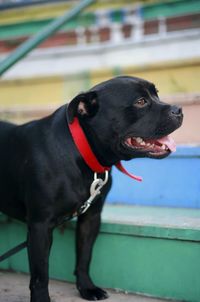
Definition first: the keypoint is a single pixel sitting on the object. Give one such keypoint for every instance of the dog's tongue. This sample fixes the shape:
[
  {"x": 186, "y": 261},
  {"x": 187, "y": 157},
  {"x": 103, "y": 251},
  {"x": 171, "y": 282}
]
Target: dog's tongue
[{"x": 169, "y": 142}]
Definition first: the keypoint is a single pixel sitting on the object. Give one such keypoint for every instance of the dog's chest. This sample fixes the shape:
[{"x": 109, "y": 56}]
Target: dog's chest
[{"x": 71, "y": 194}]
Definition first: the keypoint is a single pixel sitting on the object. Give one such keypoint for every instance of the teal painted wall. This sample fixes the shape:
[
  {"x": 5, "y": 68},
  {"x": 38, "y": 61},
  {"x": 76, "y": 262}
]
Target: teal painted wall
[
  {"x": 157, "y": 266},
  {"x": 170, "y": 8}
]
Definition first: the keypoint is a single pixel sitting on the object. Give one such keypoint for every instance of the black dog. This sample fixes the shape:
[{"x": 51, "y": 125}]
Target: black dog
[{"x": 43, "y": 177}]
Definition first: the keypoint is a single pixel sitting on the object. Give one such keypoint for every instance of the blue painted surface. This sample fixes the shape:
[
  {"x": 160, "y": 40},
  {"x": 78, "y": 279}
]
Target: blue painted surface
[{"x": 173, "y": 181}]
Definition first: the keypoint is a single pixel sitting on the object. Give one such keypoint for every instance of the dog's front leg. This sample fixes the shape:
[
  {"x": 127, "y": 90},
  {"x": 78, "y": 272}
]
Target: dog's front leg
[
  {"x": 39, "y": 244},
  {"x": 87, "y": 230}
]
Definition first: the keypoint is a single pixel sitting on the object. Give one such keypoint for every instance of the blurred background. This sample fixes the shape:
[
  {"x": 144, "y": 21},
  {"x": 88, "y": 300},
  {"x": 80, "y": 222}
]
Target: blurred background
[{"x": 156, "y": 40}]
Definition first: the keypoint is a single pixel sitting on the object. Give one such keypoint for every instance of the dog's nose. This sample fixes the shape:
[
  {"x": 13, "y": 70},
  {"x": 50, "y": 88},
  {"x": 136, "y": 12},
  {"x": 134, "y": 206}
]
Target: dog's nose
[{"x": 176, "y": 110}]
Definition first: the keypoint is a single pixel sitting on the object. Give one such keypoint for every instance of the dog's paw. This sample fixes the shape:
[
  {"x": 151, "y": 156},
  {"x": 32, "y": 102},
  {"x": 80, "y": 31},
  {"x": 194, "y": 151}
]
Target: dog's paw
[
  {"x": 40, "y": 296},
  {"x": 40, "y": 299},
  {"x": 93, "y": 294}
]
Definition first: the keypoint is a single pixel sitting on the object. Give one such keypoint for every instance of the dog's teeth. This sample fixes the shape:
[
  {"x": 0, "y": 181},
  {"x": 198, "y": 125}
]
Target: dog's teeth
[
  {"x": 148, "y": 144},
  {"x": 142, "y": 143},
  {"x": 138, "y": 140},
  {"x": 163, "y": 147}
]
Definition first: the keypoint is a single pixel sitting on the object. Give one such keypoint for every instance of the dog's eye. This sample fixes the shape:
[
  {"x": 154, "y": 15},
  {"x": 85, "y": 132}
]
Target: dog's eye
[{"x": 140, "y": 103}]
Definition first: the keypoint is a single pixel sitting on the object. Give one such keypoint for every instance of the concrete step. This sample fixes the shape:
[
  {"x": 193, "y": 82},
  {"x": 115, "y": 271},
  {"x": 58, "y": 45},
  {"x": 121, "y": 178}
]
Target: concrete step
[
  {"x": 147, "y": 250},
  {"x": 14, "y": 288}
]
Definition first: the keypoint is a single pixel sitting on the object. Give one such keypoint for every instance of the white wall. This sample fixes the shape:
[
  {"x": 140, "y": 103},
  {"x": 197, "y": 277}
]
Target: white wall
[{"x": 74, "y": 59}]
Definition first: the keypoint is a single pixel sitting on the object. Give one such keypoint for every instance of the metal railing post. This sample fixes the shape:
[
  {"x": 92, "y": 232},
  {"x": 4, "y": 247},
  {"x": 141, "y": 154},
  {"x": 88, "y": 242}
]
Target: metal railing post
[{"x": 32, "y": 42}]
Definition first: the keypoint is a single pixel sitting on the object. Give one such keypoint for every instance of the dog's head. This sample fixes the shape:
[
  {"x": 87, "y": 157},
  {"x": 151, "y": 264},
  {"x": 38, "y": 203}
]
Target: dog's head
[{"x": 124, "y": 118}]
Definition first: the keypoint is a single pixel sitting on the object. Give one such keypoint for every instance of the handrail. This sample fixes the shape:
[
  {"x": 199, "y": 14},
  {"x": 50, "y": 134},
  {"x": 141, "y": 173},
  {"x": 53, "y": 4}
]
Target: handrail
[{"x": 32, "y": 42}]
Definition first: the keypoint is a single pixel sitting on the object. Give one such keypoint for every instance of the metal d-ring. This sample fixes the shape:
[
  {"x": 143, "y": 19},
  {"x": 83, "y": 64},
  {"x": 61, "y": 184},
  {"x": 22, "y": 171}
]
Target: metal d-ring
[{"x": 105, "y": 179}]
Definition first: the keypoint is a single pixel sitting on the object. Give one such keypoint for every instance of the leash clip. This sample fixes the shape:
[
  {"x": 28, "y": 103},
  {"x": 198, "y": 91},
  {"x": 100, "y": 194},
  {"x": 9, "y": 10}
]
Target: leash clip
[
  {"x": 95, "y": 190},
  {"x": 98, "y": 184}
]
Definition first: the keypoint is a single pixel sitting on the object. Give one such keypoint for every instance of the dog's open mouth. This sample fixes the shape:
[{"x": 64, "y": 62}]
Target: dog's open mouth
[{"x": 154, "y": 147}]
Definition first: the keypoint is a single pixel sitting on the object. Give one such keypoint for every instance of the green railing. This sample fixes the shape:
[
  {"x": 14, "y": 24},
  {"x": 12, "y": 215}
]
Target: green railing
[{"x": 34, "y": 41}]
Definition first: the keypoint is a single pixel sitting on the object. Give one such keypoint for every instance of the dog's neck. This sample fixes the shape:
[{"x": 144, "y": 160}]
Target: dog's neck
[
  {"x": 88, "y": 155},
  {"x": 86, "y": 148}
]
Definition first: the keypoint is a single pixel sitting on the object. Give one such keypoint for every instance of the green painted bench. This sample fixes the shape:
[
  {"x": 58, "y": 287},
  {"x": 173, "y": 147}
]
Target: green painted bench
[{"x": 148, "y": 250}]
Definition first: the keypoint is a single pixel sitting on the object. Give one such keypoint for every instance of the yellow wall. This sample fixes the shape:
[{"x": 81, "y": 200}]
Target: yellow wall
[
  {"x": 169, "y": 79},
  {"x": 31, "y": 92},
  {"x": 172, "y": 78}
]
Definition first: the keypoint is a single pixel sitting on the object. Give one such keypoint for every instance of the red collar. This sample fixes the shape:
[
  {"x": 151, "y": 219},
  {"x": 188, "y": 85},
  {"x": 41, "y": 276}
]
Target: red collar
[{"x": 86, "y": 152}]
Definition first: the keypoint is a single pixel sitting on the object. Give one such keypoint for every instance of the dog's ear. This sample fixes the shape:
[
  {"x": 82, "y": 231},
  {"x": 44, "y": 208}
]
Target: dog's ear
[{"x": 83, "y": 105}]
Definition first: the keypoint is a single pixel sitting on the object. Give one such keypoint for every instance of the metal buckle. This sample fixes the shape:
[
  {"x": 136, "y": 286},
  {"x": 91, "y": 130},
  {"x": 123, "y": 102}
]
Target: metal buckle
[{"x": 95, "y": 189}]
